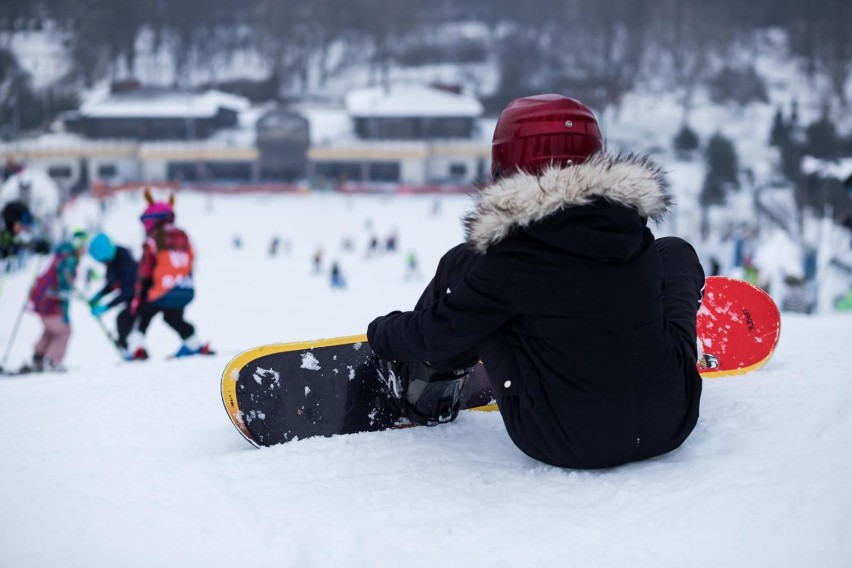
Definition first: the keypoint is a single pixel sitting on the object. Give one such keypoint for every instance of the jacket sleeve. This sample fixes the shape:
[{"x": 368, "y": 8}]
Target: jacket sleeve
[
  {"x": 66, "y": 273},
  {"x": 145, "y": 271},
  {"x": 474, "y": 309}
]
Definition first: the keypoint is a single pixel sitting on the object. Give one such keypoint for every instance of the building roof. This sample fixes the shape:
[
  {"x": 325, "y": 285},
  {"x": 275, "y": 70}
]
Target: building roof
[
  {"x": 153, "y": 102},
  {"x": 410, "y": 100}
]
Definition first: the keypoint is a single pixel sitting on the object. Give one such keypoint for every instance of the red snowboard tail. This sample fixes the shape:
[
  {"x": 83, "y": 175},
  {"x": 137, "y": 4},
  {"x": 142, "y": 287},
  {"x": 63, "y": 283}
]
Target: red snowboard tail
[{"x": 738, "y": 327}]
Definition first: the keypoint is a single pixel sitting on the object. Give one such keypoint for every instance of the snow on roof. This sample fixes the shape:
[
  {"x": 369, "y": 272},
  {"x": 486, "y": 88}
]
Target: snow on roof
[
  {"x": 327, "y": 124},
  {"x": 840, "y": 169},
  {"x": 410, "y": 100},
  {"x": 163, "y": 103}
]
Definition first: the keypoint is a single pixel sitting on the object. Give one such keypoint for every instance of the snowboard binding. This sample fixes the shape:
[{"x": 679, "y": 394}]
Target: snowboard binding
[{"x": 420, "y": 392}]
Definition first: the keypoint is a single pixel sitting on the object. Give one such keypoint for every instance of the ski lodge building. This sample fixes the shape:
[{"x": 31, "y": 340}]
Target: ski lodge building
[{"x": 402, "y": 137}]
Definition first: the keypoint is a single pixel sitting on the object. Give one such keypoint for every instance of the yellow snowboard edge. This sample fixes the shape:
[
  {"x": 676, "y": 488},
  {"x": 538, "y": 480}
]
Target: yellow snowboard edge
[
  {"x": 734, "y": 372},
  {"x": 232, "y": 372}
]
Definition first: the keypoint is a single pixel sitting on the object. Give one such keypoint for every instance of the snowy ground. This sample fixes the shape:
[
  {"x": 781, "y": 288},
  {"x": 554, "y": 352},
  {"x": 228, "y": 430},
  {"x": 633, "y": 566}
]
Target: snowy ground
[{"x": 117, "y": 464}]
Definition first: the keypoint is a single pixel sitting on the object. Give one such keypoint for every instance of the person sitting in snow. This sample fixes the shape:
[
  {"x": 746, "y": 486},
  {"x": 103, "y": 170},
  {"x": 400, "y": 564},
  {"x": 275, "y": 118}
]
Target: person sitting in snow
[
  {"x": 164, "y": 280},
  {"x": 49, "y": 299},
  {"x": 121, "y": 270},
  {"x": 585, "y": 322}
]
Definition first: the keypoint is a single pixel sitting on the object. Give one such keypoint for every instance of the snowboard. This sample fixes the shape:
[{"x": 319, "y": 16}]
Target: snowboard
[
  {"x": 738, "y": 327},
  {"x": 290, "y": 391}
]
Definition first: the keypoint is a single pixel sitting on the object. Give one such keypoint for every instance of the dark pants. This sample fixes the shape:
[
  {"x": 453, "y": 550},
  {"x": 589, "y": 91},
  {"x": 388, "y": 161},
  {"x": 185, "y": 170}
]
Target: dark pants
[
  {"x": 172, "y": 316},
  {"x": 683, "y": 287},
  {"x": 124, "y": 325}
]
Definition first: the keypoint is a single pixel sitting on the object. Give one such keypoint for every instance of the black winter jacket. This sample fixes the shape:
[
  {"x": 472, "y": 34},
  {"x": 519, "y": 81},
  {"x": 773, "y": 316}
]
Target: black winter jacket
[
  {"x": 121, "y": 276},
  {"x": 564, "y": 305}
]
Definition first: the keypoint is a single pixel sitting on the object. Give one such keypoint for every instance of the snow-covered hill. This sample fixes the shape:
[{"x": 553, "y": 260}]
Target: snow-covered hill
[{"x": 120, "y": 464}]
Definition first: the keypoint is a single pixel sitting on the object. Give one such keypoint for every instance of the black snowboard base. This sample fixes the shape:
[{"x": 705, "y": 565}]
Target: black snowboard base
[{"x": 291, "y": 391}]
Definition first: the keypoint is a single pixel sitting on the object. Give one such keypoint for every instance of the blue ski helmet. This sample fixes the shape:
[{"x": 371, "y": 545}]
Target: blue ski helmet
[{"x": 101, "y": 248}]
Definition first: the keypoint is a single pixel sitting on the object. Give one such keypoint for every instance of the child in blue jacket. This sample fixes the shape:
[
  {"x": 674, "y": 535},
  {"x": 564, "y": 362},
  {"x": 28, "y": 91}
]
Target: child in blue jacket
[{"x": 121, "y": 270}]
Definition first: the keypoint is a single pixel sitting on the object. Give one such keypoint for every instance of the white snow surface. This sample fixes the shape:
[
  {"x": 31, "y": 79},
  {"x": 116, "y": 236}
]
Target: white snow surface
[{"x": 137, "y": 464}]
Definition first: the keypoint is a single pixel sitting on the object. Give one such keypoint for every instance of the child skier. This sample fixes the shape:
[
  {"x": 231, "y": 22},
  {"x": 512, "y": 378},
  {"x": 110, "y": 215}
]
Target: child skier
[
  {"x": 164, "y": 280},
  {"x": 121, "y": 269},
  {"x": 584, "y": 322},
  {"x": 49, "y": 299}
]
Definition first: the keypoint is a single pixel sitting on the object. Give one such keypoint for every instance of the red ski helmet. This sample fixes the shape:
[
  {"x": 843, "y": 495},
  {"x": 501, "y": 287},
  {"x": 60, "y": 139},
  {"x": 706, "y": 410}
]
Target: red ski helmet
[{"x": 533, "y": 132}]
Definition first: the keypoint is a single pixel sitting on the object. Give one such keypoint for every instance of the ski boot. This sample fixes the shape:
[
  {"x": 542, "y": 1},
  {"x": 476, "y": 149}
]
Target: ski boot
[
  {"x": 420, "y": 392},
  {"x": 52, "y": 367},
  {"x": 37, "y": 366},
  {"x": 191, "y": 346},
  {"x": 138, "y": 354}
]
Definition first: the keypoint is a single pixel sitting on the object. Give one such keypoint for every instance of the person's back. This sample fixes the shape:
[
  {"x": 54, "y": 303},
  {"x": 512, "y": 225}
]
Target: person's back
[
  {"x": 585, "y": 323},
  {"x": 51, "y": 291},
  {"x": 121, "y": 274},
  {"x": 167, "y": 260},
  {"x": 587, "y": 341}
]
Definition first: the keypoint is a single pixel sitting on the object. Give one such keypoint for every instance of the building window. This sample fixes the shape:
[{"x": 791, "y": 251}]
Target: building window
[
  {"x": 59, "y": 171},
  {"x": 210, "y": 171},
  {"x": 384, "y": 171},
  {"x": 107, "y": 171},
  {"x": 458, "y": 171},
  {"x": 447, "y": 127},
  {"x": 338, "y": 172}
]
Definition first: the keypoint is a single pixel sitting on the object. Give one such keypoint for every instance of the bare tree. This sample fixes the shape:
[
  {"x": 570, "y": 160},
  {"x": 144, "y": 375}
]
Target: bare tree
[
  {"x": 685, "y": 32},
  {"x": 598, "y": 48},
  {"x": 386, "y": 24},
  {"x": 820, "y": 35},
  {"x": 102, "y": 34}
]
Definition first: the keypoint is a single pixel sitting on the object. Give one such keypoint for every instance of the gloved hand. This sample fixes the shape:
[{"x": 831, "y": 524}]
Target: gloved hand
[
  {"x": 93, "y": 301},
  {"x": 99, "y": 309}
]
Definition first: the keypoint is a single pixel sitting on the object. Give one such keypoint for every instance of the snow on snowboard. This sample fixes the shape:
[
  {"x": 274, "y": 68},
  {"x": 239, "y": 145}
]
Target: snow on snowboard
[{"x": 289, "y": 391}]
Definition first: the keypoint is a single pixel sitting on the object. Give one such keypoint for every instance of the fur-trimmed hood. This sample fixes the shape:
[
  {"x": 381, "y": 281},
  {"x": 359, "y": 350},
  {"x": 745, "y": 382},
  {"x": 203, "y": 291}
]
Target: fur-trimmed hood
[{"x": 519, "y": 200}]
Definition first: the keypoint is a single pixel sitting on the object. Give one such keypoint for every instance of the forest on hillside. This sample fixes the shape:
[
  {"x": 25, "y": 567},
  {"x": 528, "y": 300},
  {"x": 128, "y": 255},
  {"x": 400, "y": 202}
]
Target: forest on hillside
[{"x": 597, "y": 49}]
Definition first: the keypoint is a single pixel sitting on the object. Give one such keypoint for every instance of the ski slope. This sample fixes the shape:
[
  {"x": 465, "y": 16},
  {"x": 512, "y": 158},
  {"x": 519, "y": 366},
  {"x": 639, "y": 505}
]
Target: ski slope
[{"x": 137, "y": 465}]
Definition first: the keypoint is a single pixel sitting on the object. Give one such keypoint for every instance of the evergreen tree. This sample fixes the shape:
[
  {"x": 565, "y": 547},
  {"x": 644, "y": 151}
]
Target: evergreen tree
[
  {"x": 791, "y": 161},
  {"x": 780, "y": 134},
  {"x": 722, "y": 169},
  {"x": 821, "y": 139},
  {"x": 686, "y": 141}
]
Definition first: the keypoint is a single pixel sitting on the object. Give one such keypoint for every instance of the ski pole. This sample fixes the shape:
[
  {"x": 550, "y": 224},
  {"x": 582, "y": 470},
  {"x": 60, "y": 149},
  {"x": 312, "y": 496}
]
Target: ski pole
[
  {"x": 101, "y": 324},
  {"x": 21, "y": 313},
  {"x": 4, "y": 274}
]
